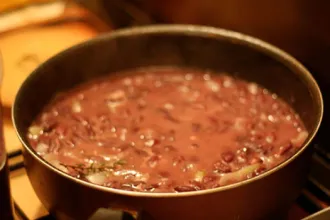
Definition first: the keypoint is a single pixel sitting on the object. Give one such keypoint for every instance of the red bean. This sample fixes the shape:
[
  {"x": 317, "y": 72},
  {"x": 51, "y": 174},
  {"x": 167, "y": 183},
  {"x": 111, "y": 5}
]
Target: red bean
[
  {"x": 172, "y": 132},
  {"x": 141, "y": 104},
  {"x": 194, "y": 145},
  {"x": 156, "y": 151},
  {"x": 220, "y": 167},
  {"x": 153, "y": 160},
  {"x": 241, "y": 139},
  {"x": 184, "y": 188},
  {"x": 170, "y": 148},
  {"x": 194, "y": 159},
  {"x": 121, "y": 148},
  {"x": 61, "y": 130},
  {"x": 285, "y": 148},
  {"x": 164, "y": 174},
  {"x": 113, "y": 184},
  {"x": 135, "y": 129},
  {"x": 210, "y": 179},
  {"x": 228, "y": 156},
  {"x": 78, "y": 118},
  {"x": 137, "y": 183},
  {"x": 255, "y": 160},
  {"x": 178, "y": 160},
  {"x": 55, "y": 145},
  {"x": 126, "y": 186},
  {"x": 196, "y": 185},
  {"x": 49, "y": 127},
  {"x": 218, "y": 98},
  {"x": 224, "y": 126},
  {"x": 196, "y": 127},
  {"x": 151, "y": 187},
  {"x": 169, "y": 116},
  {"x": 151, "y": 142},
  {"x": 140, "y": 152},
  {"x": 260, "y": 170},
  {"x": 216, "y": 185}
]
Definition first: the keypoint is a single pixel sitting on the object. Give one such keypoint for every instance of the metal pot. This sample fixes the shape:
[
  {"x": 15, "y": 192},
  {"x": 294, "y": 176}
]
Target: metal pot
[{"x": 264, "y": 197}]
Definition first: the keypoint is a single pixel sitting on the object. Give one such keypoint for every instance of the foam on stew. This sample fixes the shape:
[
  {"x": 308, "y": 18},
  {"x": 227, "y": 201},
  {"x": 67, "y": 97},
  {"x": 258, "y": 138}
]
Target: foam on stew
[{"x": 167, "y": 130}]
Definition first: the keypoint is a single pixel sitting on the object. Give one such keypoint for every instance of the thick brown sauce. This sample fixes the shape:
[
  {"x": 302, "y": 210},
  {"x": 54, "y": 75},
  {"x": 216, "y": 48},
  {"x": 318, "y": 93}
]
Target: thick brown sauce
[{"x": 167, "y": 130}]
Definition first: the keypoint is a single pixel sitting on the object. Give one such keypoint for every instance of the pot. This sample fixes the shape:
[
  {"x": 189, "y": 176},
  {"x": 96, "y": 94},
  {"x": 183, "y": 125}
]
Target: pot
[{"x": 267, "y": 196}]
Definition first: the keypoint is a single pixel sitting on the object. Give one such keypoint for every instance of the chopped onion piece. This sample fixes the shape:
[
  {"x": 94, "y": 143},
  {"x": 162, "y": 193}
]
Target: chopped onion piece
[
  {"x": 117, "y": 95},
  {"x": 190, "y": 166},
  {"x": 122, "y": 136},
  {"x": 127, "y": 81},
  {"x": 49, "y": 157},
  {"x": 57, "y": 164},
  {"x": 253, "y": 88},
  {"x": 267, "y": 160},
  {"x": 206, "y": 77},
  {"x": 288, "y": 117},
  {"x": 97, "y": 178},
  {"x": 212, "y": 85},
  {"x": 183, "y": 89},
  {"x": 52, "y": 159},
  {"x": 69, "y": 154},
  {"x": 300, "y": 139},
  {"x": 76, "y": 107},
  {"x": 239, "y": 123},
  {"x": 149, "y": 143},
  {"x": 189, "y": 77},
  {"x": 168, "y": 106},
  {"x": 148, "y": 134},
  {"x": 35, "y": 131},
  {"x": 42, "y": 148},
  {"x": 137, "y": 175},
  {"x": 270, "y": 139},
  {"x": 274, "y": 96},
  {"x": 271, "y": 118},
  {"x": 238, "y": 175},
  {"x": 227, "y": 83},
  {"x": 113, "y": 106},
  {"x": 199, "y": 176}
]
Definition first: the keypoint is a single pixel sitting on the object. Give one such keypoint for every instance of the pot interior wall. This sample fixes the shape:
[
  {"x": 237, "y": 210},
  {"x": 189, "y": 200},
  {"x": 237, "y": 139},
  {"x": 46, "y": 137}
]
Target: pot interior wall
[{"x": 187, "y": 49}]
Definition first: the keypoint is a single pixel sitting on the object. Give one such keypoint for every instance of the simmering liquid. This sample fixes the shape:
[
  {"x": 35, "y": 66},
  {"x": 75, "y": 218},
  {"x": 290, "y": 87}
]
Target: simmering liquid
[{"x": 167, "y": 130}]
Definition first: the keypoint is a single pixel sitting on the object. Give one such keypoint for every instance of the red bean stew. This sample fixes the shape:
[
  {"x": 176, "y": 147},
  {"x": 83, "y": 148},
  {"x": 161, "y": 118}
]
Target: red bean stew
[{"x": 167, "y": 130}]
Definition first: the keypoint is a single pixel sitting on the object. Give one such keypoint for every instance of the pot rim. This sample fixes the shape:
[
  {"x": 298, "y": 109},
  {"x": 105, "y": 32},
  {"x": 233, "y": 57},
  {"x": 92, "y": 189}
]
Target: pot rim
[{"x": 192, "y": 30}]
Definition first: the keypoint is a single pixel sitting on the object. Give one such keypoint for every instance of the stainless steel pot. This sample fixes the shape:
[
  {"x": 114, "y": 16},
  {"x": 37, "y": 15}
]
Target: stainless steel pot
[{"x": 264, "y": 197}]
